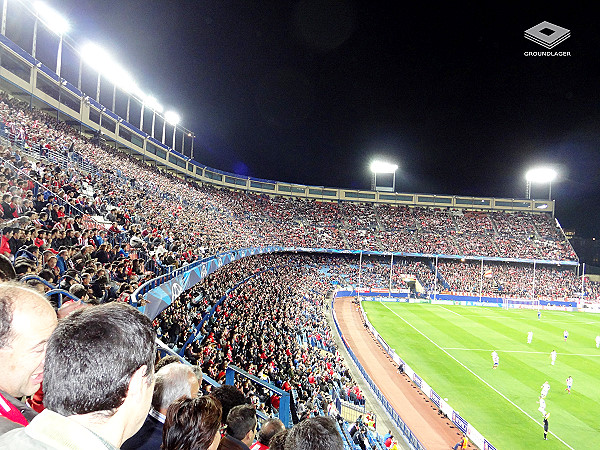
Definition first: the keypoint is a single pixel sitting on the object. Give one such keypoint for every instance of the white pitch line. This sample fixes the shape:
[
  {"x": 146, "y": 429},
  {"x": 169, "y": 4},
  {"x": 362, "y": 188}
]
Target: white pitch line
[
  {"x": 473, "y": 373},
  {"x": 460, "y": 315},
  {"x": 516, "y": 351}
]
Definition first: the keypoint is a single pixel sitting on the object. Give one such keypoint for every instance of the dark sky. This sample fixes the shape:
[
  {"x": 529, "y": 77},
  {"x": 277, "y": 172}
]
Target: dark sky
[{"x": 311, "y": 91}]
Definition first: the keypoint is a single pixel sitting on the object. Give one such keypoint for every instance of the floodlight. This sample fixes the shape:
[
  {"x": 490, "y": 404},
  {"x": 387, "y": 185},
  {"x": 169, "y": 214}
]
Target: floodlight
[
  {"x": 541, "y": 175},
  {"x": 52, "y": 19},
  {"x": 383, "y": 167},
  {"x": 172, "y": 117},
  {"x": 96, "y": 57}
]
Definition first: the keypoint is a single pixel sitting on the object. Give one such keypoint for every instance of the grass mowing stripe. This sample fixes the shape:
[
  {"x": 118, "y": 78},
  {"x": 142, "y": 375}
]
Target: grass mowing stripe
[
  {"x": 473, "y": 373},
  {"x": 517, "y": 351},
  {"x": 453, "y": 312}
]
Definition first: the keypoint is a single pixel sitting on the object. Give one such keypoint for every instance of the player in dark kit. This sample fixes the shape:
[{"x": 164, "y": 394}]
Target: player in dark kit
[{"x": 546, "y": 426}]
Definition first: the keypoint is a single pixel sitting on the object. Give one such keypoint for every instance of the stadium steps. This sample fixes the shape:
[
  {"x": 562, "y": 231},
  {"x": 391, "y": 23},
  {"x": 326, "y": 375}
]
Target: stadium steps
[{"x": 380, "y": 226}]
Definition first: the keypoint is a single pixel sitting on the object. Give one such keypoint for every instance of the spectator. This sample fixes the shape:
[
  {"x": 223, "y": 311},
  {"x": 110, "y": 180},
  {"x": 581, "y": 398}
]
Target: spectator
[
  {"x": 7, "y": 234},
  {"x": 98, "y": 381},
  {"x": 26, "y": 322},
  {"x": 269, "y": 429},
  {"x": 172, "y": 382},
  {"x": 7, "y": 271},
  {"x": 193, "y": 424},
  {"x": 277, "y": 442},
  {"x": 317, "y": 433},
  {"x": 241, "y": 428},
  {"x": 229, "y": 397}
]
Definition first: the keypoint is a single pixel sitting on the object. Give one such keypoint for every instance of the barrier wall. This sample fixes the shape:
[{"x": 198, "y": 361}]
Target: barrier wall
[{"x": 161, "y": 291}]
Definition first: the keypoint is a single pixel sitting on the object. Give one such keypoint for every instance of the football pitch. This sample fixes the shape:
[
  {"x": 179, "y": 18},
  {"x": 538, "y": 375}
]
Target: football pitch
[{"x": 450, "y": 348}]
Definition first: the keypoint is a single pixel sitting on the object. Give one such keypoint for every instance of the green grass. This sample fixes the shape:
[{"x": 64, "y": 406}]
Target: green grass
[{"x": 450, "y": 346}]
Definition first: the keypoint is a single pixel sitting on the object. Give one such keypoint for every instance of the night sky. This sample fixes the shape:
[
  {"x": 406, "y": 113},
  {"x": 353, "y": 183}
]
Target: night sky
[{"x": 311, "y": 91}]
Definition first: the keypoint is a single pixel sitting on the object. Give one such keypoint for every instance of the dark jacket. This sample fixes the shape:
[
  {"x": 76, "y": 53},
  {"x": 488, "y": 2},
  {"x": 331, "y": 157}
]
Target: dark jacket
[
  {"x": 148, "y": 437},
  {"x": 228, "y": 442},
  {"x": 28, "y": 413}
]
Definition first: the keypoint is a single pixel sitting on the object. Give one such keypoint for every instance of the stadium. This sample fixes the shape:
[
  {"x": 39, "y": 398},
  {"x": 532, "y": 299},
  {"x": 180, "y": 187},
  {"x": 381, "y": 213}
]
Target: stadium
[{"x": 377, "y": 308}]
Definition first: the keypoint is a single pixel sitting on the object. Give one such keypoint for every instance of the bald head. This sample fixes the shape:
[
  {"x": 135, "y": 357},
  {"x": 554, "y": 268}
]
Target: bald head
[
  {"x": 26, "y": 322},
  {"x": 269, "y": 429}
]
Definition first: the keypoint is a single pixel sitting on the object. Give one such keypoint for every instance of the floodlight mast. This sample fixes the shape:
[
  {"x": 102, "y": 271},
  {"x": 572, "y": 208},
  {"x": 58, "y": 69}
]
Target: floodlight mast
[
  {"x": 540, "y": 175},
  {"x": 173, "y": 118},
  {"x": 383, "y": 167},
  {"x": 55, "y": 23}
]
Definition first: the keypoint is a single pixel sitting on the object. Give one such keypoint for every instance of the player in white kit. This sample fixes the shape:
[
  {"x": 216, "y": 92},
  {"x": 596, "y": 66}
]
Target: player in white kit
[
  {"x": 529, "y": 337},
  {"x": 553, "y": 357},
  {"x": 495, "y": 359},
  {"x": 545, "y": 389},
  {"x": 569, "y": 384},
  {"x": 542, "y": 407}
]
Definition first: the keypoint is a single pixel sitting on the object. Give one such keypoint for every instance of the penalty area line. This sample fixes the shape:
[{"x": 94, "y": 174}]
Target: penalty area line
[{"x": 473, "y": 373}]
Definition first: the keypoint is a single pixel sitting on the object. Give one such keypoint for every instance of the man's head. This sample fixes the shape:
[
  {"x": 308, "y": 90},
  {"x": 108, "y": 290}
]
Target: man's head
[
  {"x": 26, "y": 321},
  {"x": 269, "y": 429},
  {"x": 241, "y": 423},
  {"x": 193, "y": 424},
  {"x": 7, "y": 271},
  {"x": 317, "y": 433},
  {"x": 229, "y": 396},
  {"x": 277, "y": 442},
  {"x": 172, "y": 382},
  {"x": 100, "y": 363}
]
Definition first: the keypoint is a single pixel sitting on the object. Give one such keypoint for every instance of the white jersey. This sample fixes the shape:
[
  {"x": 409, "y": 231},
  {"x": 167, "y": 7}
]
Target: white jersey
[
  {"x": 542, "y": 407},
  {"x": 598, "y": 341},
  {"x": 553, "y": 356},
  {"x": 529, "y": 337},
  {"x": 545, "y": 389}
]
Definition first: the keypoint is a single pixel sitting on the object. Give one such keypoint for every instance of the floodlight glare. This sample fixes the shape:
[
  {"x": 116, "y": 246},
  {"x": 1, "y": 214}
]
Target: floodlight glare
[
  {"x": 153, "y": 104},
  {"x": 95, "y": 56},
  {"x": 120, "y": 77},
  {"x": 52, "y": 19},
  {"x": 172, "y": 117},
  {"x": 541, "y": 175},
  {"x": 383, "y": 167}
]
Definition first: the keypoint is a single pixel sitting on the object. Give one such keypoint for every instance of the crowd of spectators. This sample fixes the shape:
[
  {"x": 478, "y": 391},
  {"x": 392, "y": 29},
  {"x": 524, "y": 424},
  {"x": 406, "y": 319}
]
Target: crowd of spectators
[
  {"x": 149, "y": 221},
  {"x": 206, "y": 219},
  {"x": 272, "y": 327},
  {"x": 510, "y": 280}
]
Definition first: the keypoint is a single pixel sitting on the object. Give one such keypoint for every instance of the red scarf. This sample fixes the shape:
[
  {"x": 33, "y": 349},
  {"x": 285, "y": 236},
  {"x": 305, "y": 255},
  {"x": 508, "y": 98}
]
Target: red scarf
[{"x": 8, "y": 410}]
